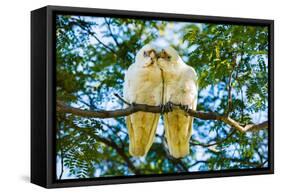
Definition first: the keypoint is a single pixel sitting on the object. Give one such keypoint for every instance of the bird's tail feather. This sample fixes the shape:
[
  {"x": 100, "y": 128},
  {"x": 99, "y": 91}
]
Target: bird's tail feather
[
  {"x": 178, "y": 130},
  {"x": 142, "y": 127}
]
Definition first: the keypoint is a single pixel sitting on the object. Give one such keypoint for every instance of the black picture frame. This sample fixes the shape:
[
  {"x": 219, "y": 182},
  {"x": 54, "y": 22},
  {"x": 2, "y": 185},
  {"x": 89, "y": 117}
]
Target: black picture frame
[{"x": 43, "y": 104}]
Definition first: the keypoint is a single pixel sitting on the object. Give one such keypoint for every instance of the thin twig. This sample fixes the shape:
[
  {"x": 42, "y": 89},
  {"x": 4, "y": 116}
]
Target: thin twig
[
  {"x": 61, "y": 156},
  {"x": 215, "y": 143},
  {"x": 197, "y": 162},
  {"x": 89, "y": 31},
  {"x": 120, "y": 98},
  {"x": 111, "y": 33},
  {"x": 229, "y": 85}
]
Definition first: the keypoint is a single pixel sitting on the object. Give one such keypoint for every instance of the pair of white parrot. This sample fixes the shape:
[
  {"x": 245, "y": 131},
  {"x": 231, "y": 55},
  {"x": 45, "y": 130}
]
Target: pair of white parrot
[{"x": 158, "y": 78}]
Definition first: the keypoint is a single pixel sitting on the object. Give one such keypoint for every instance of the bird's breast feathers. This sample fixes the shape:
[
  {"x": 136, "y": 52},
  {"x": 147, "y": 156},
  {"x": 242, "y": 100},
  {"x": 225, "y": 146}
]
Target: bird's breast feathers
[{"x": 143, "y": 84}]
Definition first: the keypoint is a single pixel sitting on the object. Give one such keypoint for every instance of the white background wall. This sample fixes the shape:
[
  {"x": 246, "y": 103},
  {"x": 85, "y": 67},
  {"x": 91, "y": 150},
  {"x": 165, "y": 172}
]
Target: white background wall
[{"x": 15, "y": 94}]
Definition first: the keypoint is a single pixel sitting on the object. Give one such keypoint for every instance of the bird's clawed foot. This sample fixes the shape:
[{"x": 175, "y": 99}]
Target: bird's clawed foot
[
  {"x": 184, "y": 107},
  {"x": 169, "y": 106},
  {"x": 165, "y": 108}
]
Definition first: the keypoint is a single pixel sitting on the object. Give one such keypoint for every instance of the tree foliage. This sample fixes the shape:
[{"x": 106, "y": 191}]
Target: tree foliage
[{"x": 92, "y": 54}]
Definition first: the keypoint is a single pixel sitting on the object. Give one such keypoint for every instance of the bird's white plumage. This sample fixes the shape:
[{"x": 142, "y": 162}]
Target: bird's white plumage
[
  {"x": 143, "y": 85},
  {"x": 180, "y": 87}
]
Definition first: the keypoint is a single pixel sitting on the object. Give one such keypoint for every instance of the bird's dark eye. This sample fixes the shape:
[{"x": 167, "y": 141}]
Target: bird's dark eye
[{"x": 145, "y": 54}]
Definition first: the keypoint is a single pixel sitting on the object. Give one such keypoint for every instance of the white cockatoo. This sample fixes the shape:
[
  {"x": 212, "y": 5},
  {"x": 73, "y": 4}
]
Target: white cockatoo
[
  {"x": 143, "y": 85},
  {"x": 180, "y": 87}
]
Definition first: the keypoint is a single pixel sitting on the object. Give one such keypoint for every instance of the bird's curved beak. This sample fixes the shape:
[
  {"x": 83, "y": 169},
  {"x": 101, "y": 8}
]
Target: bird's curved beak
[
  {"x": 163, "y": 54},
  {"x": 152, "y": 54}
]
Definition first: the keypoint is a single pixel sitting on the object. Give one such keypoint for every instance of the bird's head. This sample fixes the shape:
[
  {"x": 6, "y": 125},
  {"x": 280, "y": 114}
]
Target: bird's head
[
  {"x": 168, "y": 56},
  {"x": 146, "y": 56}
]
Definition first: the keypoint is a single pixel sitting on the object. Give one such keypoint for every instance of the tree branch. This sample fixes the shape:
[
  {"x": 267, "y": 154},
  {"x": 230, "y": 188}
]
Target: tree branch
[
  {"x": 133, "y": 108},
  {"x": 113, "y": 145},
  {"x": 120, "y": 152}
]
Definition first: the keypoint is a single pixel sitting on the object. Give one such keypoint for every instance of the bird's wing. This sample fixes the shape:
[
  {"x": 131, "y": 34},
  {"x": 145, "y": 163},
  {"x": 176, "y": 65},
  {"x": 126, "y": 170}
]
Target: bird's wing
[
  {"x": 141, "y": 87},
  {"x": 178, "y": 127}
]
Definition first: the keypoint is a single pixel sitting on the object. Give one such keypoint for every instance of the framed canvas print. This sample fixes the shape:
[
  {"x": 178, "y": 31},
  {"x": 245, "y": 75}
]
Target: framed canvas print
[{"x": 125, "y": 96}]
